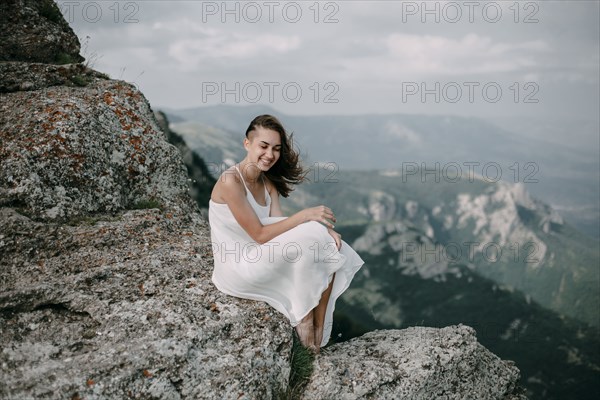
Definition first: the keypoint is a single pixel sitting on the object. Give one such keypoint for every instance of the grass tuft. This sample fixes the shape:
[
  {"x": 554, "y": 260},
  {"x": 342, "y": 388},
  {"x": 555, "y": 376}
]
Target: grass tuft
[
  {"x": 82, "y": 220},
  {"x": 147, "y": 204},
  {"x": 64, "y": 58},
  {"x": 51, "y": 12},
  {"x": 301, "y": 370},
  {"x": 80, "y": 80}
]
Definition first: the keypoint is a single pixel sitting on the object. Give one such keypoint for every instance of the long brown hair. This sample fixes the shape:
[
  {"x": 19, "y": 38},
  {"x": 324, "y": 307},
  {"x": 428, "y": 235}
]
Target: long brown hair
[{"x": 287, "y": 171}]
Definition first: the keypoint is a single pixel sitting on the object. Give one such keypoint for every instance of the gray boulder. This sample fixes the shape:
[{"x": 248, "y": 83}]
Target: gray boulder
[
  {"x": 35, "y": 31},
  {"x": 413, "y": 363},
  {"x": 122, "y": 306},
  {"x": 72, "y": 151}
]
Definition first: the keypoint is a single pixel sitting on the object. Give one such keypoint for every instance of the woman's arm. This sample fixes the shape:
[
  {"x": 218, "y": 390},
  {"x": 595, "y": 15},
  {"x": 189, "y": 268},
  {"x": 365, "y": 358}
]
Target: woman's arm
[
  {"x": 234, "y": 195},
  {"x": 277, "y": 212}
]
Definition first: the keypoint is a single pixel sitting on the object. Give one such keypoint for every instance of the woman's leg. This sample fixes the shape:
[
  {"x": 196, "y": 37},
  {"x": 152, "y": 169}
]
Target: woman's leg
[
  {"x": 306, "y": 331},
  {"x": 319, "y": 314}
]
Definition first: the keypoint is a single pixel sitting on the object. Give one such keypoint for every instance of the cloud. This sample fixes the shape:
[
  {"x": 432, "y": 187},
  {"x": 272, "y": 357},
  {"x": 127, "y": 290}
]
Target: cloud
[
  {"x": 472, "y": 54},
  {"x": 214, "y": 45},
  {"x": 369, "y": 53}
]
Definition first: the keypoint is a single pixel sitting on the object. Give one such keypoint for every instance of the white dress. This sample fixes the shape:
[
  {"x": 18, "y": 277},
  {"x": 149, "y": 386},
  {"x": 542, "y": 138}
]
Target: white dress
[{"x": 290, "y": 272}]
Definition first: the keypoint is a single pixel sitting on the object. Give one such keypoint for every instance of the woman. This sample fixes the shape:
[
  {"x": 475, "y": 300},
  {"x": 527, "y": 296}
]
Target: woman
[{"x": 298, "y": 264}]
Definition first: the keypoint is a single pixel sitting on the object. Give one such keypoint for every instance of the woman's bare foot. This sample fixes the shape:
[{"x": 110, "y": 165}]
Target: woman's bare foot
[{"x": 306, "y": 332}]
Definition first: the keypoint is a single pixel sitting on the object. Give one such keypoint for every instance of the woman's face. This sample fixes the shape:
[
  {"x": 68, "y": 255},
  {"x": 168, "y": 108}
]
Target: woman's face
[{"x": 264, "y": 147}]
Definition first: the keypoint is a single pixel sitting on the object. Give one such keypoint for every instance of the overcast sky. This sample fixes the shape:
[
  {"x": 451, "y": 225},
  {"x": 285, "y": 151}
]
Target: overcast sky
[{"x": 490, "y": 59}]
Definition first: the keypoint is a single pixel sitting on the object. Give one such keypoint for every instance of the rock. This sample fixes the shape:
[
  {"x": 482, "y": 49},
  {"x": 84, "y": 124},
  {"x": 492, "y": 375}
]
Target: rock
[
  {"x": 35, "y": 31},
  {"x": 413, "y": 363},
  {"x": 411, "y": 207},
  {"x": 20, "y": 76},
  {"x": 382, "y": 206},
  {"x": 417, "y": 253},
  {"x": 74, "y": 151},
  {"x": 496, "y": 219},
  {"x": 126, "y": 302}
]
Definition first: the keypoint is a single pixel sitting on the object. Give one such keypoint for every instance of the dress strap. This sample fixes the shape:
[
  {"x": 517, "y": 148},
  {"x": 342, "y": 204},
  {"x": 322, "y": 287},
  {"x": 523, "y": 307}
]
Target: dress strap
[
  {"x": 242, "y": 176},
  {"x": 267, "y": 196}
]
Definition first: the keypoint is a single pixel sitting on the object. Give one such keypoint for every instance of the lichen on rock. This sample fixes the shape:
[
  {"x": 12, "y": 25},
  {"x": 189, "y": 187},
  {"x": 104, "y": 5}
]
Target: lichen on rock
[{"x": 72, "y": 151}]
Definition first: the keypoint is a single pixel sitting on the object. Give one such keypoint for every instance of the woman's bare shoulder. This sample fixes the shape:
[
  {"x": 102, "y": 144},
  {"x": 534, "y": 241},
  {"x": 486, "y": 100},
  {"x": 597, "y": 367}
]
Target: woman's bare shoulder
[
  {"x": 229, "y": 175},
  {"x": 228, "y": 181}
]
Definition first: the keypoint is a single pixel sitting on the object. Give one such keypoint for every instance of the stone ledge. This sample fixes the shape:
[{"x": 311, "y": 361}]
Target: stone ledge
[{"x": 413, "y": 363}]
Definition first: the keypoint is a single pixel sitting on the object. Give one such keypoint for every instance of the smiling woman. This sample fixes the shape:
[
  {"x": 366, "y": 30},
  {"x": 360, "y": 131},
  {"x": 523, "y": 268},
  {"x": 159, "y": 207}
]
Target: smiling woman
[{"x": 298, "y": 264}]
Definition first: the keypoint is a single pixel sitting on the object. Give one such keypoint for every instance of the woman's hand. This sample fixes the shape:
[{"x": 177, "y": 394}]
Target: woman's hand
[
  {"x": 337, "y": 237},
  {"x": 320, "y": 214}
]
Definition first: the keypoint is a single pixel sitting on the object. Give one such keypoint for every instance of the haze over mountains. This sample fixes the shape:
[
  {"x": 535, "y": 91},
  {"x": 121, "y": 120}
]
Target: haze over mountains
[{"x": 566, "y": 177}]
